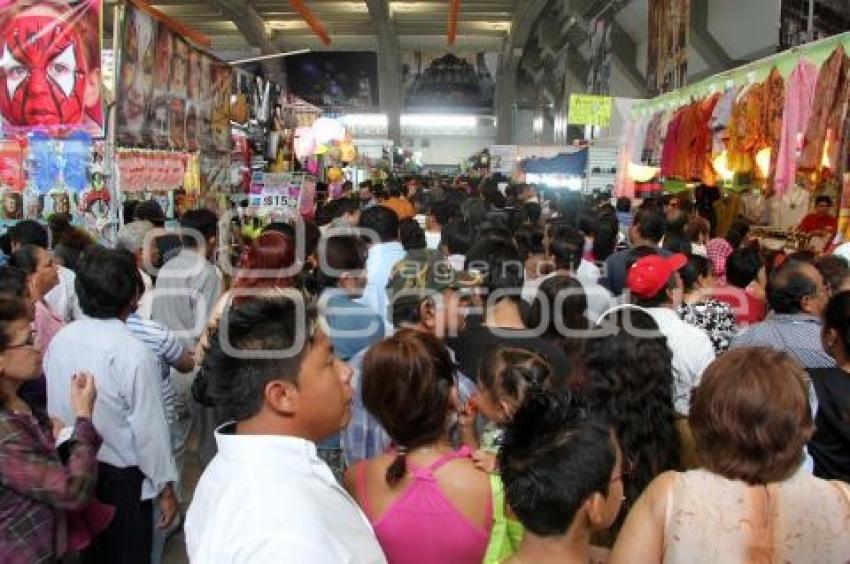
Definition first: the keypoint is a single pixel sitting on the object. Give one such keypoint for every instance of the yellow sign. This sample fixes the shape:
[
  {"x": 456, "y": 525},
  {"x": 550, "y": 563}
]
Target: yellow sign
[{"x": 586, "y": 109}]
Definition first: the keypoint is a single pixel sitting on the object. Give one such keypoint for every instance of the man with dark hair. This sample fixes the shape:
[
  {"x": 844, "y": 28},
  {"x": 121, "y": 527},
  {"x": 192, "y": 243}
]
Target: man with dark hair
[
  {"x": 647, "y": 231},
  {"x": 149, "y": 210},
  {"x": 797, "y": 295},
  {"x": 576, "y": 486},
  {"x": 656, "y": 285},
  {"x": 62, "y": 299},
  {"x": 380, "y": 222},
  {"x": 566, "y": 249},
  {"x": 427, "y": 294},
  {"x": 366, "y": 195},
  {"x": 346, "y": 213},
  {"x": 267, "y": 496},
  {"x": 439, "y": 214},
  {"x": 746, "y": 277},
  {"x": 836, "y": 273},
  {"x": 136, "y": 463},
  {"x": 187, "y": 288},
  {"x": 821, "y": 222}
]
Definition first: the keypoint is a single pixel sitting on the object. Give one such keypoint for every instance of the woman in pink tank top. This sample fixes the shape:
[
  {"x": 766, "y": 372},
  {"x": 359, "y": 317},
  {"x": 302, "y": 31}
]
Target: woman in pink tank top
[{"x": 426, "y": 501}]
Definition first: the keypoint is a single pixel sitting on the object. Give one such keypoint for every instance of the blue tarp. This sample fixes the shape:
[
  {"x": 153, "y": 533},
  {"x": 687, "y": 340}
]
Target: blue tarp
[{"x": 573, "y": 164}]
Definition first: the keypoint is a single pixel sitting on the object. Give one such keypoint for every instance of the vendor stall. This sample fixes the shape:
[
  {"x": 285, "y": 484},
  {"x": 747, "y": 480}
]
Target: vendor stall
[{"x": 759, "y": 142}]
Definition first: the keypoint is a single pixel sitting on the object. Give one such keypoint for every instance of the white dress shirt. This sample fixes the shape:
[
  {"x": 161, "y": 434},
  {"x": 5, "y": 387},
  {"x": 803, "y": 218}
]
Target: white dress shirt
[
  {"x": 379, "y": 265},
  {"x": 268, "y": 499},
  {"x": 692, "y": 353},
  {"x": 145, "y": 308},
  {"x": 432, "y": 239},
  {"x": 128, "y": 413},
  {"x": 62, "y": 298}
]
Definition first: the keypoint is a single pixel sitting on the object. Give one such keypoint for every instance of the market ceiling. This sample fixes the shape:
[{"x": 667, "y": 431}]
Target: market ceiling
[{"x": 254, "y": 26}]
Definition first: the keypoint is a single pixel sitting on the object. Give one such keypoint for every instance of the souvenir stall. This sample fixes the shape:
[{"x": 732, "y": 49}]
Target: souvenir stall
[
  {"x": 758, "y": 142},
  {"x": 324, "y": 149},
  {"x": 52, "y": 155},
  {"x": 172, "y": 132}
]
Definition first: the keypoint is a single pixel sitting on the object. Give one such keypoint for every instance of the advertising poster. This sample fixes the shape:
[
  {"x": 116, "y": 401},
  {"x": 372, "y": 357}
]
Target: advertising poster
[
  {"x": 601, "y": 45},
  {"x": 440, "y": 80},
  {"x": 831, "y": 17},
  {"x": 503, "y": 159},
  {"x": 667, "y": 58},
  {"x": 135, "y": 82},
  {"x": 50, "y": 67},
  {"x": 170, "y": 95},
  {"x": 342, "y": 80},
  {"x": 11, "y": 165}
]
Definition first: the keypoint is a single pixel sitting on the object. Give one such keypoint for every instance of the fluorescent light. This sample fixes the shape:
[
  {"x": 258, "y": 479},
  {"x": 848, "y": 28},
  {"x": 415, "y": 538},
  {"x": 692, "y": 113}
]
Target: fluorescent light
[
  {"x": 415, "y": 121},
  {"x": 434, "y": 121}
]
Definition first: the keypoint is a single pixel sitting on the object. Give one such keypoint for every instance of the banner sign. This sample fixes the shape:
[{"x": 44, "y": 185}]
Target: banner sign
[
  {"x": 667, "y": 57},
  {"x": 503, "y": 159},
  {"x": 170, "y": 94},
  {"x": 50, "y": 67},
  {"x": 586, "y": 109}
]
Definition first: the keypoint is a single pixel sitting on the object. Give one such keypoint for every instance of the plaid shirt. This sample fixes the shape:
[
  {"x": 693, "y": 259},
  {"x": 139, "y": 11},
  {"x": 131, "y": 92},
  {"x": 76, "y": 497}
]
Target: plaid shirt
[
  {"x": 35, "y": 487},
  {"x": 364, "y": 437}
]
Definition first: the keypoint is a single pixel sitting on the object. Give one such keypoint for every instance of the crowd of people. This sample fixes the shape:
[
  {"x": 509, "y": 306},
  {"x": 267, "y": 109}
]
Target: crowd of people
[{"x": 426, "y": 373}]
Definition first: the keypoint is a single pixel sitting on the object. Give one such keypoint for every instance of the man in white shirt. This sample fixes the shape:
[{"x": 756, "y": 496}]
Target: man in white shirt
[
  {"x": 655, "y": 284},
  {"x": 187, "y": 289},
  {"x": 135, "y": 238},
  {"x": 266, "y": 497},
  {"x": 136, "y": 466},
  {"x": 380, "y": 222}
]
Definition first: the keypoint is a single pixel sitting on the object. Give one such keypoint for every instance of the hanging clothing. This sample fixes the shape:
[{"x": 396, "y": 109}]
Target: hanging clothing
[
  {"x": 745, "y": 128},
  {"x": 774, "y": 104},
  {"x": 675, "y": 145},
  {"x": 827, "y": 121},
  {"x": 701, "y": 141},
  {"x": 720, "y": 117},
  {"x": 797, "y": 111}
]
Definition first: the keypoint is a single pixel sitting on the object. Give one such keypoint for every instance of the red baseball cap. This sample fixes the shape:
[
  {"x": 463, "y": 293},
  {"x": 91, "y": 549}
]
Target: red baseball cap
[{"x": 650, "y": 274}]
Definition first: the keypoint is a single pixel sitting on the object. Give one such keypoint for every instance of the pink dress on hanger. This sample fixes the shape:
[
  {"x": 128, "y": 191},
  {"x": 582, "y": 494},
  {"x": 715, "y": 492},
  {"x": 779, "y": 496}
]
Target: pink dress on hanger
[{"x": 799, "y": 96}]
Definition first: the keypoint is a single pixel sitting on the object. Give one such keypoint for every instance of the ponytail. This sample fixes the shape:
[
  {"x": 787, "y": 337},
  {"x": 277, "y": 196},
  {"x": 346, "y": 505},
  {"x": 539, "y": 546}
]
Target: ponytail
[{"x": 398, "y": 469}]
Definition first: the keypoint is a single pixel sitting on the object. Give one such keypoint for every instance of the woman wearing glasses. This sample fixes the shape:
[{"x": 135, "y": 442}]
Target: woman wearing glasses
[{"x": 36, "y": 487}]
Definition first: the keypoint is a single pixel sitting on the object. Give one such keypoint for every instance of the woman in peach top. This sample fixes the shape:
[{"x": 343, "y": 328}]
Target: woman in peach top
[{"x": 751, "y": 502}]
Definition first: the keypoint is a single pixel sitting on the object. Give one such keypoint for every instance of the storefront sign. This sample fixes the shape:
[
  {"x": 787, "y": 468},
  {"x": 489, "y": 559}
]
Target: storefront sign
[{"x": 586, "y": 109}]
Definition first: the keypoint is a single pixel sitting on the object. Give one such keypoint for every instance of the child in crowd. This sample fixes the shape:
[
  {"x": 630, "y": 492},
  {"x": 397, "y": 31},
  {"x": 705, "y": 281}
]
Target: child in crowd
[
  {"x": 508, "y": 377},
  {"x": 576, "y": 486}
]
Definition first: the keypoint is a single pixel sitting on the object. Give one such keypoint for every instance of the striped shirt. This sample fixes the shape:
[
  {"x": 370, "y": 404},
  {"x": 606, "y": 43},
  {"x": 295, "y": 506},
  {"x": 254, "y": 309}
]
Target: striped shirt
[{"x": 161, "y": 341}]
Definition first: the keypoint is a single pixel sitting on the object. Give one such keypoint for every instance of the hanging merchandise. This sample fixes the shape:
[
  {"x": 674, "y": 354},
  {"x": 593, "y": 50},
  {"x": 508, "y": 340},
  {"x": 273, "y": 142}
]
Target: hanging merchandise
[
  {"x": 800, "y": 93},
  {"x": 62, "y": 47},
  {"x": 12, "y": 177},
  {"x": 821, "y": 144}
]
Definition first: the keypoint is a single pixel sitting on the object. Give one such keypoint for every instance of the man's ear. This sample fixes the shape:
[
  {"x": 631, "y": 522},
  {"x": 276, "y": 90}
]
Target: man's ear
[
  {"x": 595, "y": 510},
  {"x": 427, "y": 314},
  {"x": 281, "y": 396}
]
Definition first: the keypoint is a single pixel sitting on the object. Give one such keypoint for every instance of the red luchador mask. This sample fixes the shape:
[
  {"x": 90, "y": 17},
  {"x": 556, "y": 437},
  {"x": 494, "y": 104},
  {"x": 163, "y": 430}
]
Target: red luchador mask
[{"x": 42, "y": 72}]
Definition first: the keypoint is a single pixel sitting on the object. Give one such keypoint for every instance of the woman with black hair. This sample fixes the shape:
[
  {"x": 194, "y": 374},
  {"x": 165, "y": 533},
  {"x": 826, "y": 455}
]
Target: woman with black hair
[
  {"x": 628, "y": 377},
  {"x": 700, "y": 309},
  {"x": 830, "y": 445},
  {"x": 426, "y": 500}
]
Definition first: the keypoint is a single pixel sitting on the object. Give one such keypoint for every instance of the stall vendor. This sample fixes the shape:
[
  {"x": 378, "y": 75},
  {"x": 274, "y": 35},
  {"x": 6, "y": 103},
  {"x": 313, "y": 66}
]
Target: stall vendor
[{"x": 820, "y": 223}]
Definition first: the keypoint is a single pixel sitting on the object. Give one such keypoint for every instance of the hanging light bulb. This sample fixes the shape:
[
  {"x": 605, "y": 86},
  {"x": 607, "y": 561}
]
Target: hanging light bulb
[
  {"x": 763, "y": 162},
  {"x": 721, "y": 166}
]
